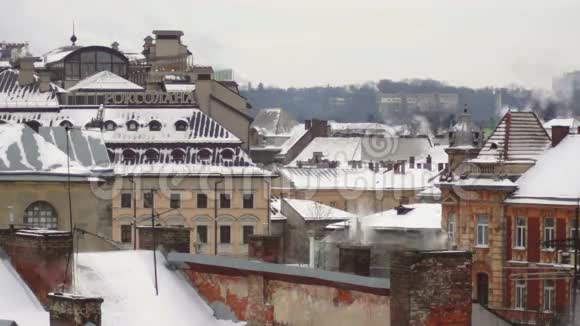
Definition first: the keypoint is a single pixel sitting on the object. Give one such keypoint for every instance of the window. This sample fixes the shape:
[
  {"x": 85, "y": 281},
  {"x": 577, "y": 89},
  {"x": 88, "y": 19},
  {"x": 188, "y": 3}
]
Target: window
[
  {"x": 154, "y": 125},
  {"x": 201, "y": 234},
  {"x": 225, "y": 201},
  {"x": 148, "y": 200},
  {"x": 175, "y": 200},
  {"x": 201, "y": 201},
  {"x": 482, "y": 230},
  {"x": 151, "y": 156},
  {"x": 548, "y": 295},
  {"x": 126, "y": 200},
  {"x": 129, "y": 156},
  {"x": 41, "y": 214},
  {"x": 132, "y": 125},
  {"x": 110, "y": 126},
  {"x": 247, "y": 231},
  {"x": 227, "y": 154},
  {"x": 181, "y": 125},
  {"x": 66, "y": 124},
  {"x": 332, "y": 204},
  {"x": 249, "y": 200},
  {"x": 451, "y": 222},
  {"x": 520, "y": 294},
  {"x": 125, "y": 233},
  {"x": 520, "y": 232},
  {"x": 225, "y": 234},
  {"x": 177, "y": 156},
  {"x": 548, "y": 233},
  {"x": 204, "y": 156}
]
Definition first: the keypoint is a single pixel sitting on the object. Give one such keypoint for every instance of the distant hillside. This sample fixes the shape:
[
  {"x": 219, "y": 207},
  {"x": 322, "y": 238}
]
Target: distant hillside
[{"x": 357, "y": 103}]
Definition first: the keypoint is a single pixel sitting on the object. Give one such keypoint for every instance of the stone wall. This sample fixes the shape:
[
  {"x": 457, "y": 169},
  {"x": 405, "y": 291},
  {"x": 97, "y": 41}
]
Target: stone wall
[
  {"x": 74, "y": 310},
  {"x": 271, "y": 294},
  {"x": 431, "y": 288}
]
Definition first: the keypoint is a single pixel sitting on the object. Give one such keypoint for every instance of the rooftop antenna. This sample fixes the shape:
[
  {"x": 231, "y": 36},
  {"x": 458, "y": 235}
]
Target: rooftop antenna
[{"x": 73, "y": 38}]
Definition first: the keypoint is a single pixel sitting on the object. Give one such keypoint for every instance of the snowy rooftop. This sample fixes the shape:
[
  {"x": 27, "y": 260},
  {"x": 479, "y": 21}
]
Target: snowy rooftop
[
  {"x": 275, "y": 209},
  {"x": 179, "y": 87},
  {"x": 273, "y": 121},
  {"x": 358, "y": 179},
  {"x": 312, "y": 211},
  {"x": 518, "y": 136},
  {"x": 23, "y": 151},
  {"x": 58, "y": 54},
  {"x": 345, "y": 149},
  {"x": 124, "y": 279},
  {"x": 554, "y": 177},
  {"x": 189, "y": 170},
  {"x": 416, "y": 217},
  {"x": 362, "y": 128},
  {"x": 12, "y": 95},
  {"x": 105, "y": 81}
]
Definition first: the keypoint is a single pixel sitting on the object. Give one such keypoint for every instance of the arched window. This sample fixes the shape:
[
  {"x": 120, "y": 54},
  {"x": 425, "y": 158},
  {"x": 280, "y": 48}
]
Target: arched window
[
  {"x": 34, "y": 125},
  {"x": 204, "y": 155},
  {"x": 90, "y": 60},
  {"x": 482, "y": 288},
  {"x": 110, "y": 125},
  {"x": 41, "y": 214},
  {"x": 154, "y": 125},
  {"x": 181, "y": 125},
  {"x": 151, "y": 156},
  {"x": 66, "y": 124},
  {"x": 227, "y": 154},
  {"x": 129, "y": 156},
  {"x": 132, "y": 125},
  {"x": 177, "y": 156}
]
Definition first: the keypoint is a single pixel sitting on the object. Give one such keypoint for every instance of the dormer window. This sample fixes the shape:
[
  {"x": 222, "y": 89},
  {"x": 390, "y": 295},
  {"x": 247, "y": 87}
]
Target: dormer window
[
  {"x": 110, "y": 125},
  {"x": 177, "y": 156},
  {"x": 66, "y": 124},
  {"x": 129, "y": 156},
  {"x": 181, "y": 125},
  {"x": 151, "y": 156},
  {"x": 154, "y": 125},
  {"x": 132, "y": 125},
  {"x": 227, "y": 154},
  {"x": 204, "y": 156}
]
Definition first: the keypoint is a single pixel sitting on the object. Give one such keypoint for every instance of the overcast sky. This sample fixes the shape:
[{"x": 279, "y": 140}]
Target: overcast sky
[{"x": 336, "y": 42}]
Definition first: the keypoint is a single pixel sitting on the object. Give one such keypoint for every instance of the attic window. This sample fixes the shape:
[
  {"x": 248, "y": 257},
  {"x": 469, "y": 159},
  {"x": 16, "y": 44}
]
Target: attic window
[
  {"x": 66, "y": 124},
  {"x": 129, "y": 156},
  {"x": 227, "y": 154},
  {"x": 151, "y": 156},
  {"x": 204, "y": 155},
  {"x": 177, "y": 156},
  {"x": 110, "y": 125},
  {"x": 132, "y": 125},
  {"x": 181, "y": 125},
  {"x": 34, "y": 125},
  {"x": 154, "y": 125}
]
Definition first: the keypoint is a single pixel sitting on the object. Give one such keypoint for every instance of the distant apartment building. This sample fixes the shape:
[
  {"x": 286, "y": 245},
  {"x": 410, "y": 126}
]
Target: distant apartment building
[{"x": 390, "y": 104}]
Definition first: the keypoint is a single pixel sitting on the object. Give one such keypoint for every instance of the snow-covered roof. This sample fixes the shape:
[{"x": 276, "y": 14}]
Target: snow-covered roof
[
  {"x": 12, "y": 95},
  {"x": 23, "y": 151},
  {"x": 488, "y": 183},
  {"x": 411, "y": 217},
  {"x": 362, "y": 128},
  {"x": 273, "y": 121},
  {"x": 518, "y": 136},
  {"x": 313, "y": 211},
  {"x": 568, "y": 122},
  {"x": 105, "y": 81},
  {"x": 357, "y": 179},
  {"x": 179, "y": 87},
  {"x": 275, "y": 209},
  {"x": 18, "y": 302},
  {"x": 58, "y": 54},
  {"x": 200, "y": 127},
  {"x": 554, "y": 177},
  {"x": 189, "y": 170},
  {"x": 365, "y": 149}
]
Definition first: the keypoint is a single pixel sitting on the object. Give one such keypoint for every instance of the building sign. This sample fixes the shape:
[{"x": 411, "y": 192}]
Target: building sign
[{"x": 149, "y": 98}]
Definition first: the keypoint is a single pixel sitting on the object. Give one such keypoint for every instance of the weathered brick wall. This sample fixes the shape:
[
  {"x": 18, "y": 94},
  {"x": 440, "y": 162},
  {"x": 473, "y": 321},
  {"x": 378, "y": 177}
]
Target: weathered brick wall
[
  {"x": 171, "y": 238},
  {"x": 275, "y": 299},
  {"x": 40, "y": 260},
  {"x": 431, "y": 288},
  {"x": 71, "y": 310}
]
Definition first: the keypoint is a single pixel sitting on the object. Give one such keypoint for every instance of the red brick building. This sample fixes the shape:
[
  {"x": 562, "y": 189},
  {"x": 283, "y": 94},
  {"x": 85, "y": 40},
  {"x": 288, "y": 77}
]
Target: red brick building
[{"x": 509, "y": 204}]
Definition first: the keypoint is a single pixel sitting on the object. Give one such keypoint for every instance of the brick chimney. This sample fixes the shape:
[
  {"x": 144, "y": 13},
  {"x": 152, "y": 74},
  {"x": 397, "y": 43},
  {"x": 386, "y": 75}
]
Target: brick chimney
[
  {"x": 74, "y": 310},
  {"x": 558, "y": 134},
  {"x": 40, "y": 257},
  {"x": 26, "y": 70}
]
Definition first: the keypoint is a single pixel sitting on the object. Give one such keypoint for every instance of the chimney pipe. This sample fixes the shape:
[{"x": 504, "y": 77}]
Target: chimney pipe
[
  {"x": 26, "y": 70},
  {"x": 44, "y": 80},
  {"x": 558, "y": 134}
]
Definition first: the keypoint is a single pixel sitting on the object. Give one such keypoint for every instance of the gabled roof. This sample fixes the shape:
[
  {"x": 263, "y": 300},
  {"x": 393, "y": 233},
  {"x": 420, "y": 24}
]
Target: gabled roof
[
  {"x": 518, "y": 136},
  {"x": 105, "y": 81},
  {"x": 24, "y": 152},
  {"x": 313, "y": 211},
  {"x": 554, "y": 177},
  {"x": 12, "y": 95}
]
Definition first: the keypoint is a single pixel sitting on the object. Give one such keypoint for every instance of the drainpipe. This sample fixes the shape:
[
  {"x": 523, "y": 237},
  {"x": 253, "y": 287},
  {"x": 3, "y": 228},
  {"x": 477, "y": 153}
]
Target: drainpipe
[
  {"x": 131, "y": 179},
  {"x": 215, "y": 214}
]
